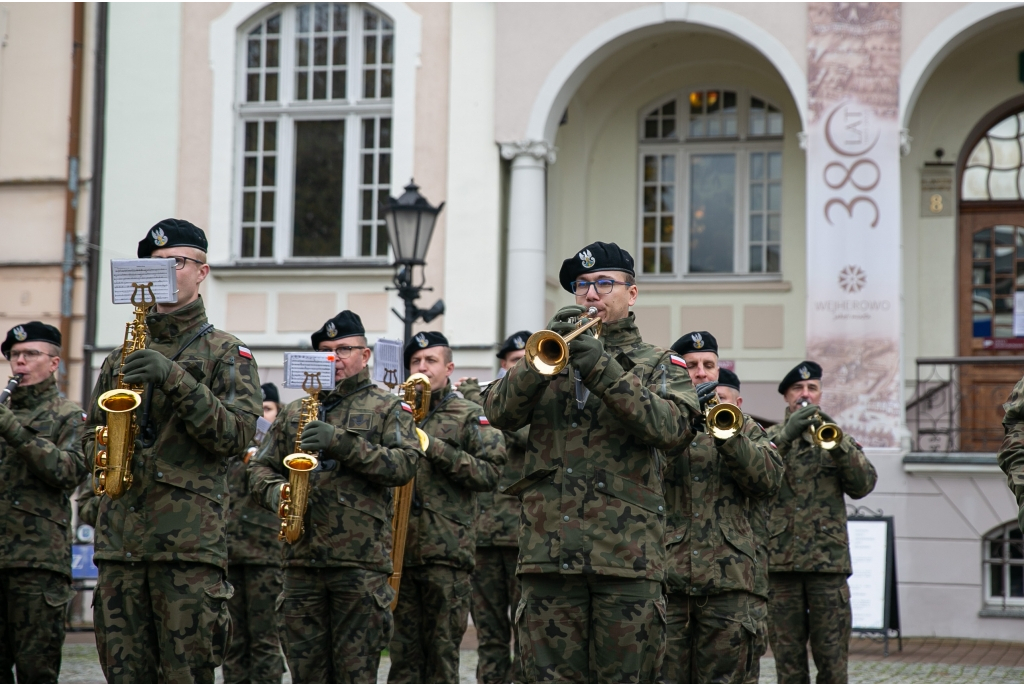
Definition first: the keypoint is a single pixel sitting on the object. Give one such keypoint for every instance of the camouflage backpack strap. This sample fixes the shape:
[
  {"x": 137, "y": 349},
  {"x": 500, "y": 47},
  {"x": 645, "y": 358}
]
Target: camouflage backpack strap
[
  {"x": 326, "y": 407},
  {"x": 148, "y": 435}
]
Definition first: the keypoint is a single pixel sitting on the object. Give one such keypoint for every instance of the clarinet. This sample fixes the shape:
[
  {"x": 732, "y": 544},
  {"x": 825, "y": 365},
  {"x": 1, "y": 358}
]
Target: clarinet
[{"x": 11, "y": 385}]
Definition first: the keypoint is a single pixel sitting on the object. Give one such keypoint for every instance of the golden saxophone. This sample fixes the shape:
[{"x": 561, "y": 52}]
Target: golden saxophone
[
  {"x": 115, "y": 442},
  {"x": 416, "y": 393},
  {"x": 295, "y": 493}
]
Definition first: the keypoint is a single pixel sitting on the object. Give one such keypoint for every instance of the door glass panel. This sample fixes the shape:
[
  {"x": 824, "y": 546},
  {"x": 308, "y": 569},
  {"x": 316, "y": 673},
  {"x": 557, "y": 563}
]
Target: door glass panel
[{"x": 997, "y": 271}]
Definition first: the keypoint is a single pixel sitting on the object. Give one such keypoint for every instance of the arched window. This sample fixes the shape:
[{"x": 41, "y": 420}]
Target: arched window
[
  {"x": 314, "y": 102},
  {"x": 995, "y": 167},
  {"x": 1004, "y": 567},
  {"x": 710, "y": 184}
]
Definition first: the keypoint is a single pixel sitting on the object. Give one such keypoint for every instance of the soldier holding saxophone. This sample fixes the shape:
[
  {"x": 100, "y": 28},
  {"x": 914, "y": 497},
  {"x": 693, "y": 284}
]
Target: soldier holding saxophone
[
  {"x": 160, "y": 608},
  {"x": 336, "y": 602}
]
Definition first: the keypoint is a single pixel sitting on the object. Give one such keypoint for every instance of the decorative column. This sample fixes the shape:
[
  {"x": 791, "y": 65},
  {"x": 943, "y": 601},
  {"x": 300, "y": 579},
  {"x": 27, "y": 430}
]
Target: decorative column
[{"x": 527, "y": 234}]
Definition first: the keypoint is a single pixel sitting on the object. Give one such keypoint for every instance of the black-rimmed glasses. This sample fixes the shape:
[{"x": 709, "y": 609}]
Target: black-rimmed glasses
[{"x": 603, "y": 286}]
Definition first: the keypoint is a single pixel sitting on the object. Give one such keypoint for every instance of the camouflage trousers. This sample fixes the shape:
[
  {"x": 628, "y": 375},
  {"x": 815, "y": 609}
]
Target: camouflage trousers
[
  {"x": 161, "y": 621},
  {"x": 254, "y": 655},
  {"x": 495, "y": 592},
  {"x": 590, "y": 629},
  {"x": 430, "y": 620},
  {"x": 337, "y": 621},
  {"x": 814, "y": 606},
  {"x": 32, "y": 606},
  {"x": 715, "y": 638}
]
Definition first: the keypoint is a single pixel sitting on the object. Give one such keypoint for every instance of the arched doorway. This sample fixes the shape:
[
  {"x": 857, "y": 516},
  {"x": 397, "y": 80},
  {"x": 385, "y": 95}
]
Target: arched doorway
[{"x": 991, "y": 272}]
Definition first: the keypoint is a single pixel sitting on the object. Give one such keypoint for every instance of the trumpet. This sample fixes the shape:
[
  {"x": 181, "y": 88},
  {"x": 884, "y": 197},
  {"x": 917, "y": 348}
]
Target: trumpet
[
  {"x": 416, "y": 393},
  {"x": 825, "y": 435},
  {"x": 548, "y": 352},
  {"x": 115, "y": 442},
  {"x": 295, "y": 493},
  {"x": 722, "y": 420}
]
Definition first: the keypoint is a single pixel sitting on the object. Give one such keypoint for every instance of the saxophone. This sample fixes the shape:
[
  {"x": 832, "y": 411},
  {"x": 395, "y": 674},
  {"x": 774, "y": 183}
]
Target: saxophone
[
  {"x": 295, "y": 493},
  {"x": 115, "y": 442},
  {"x": 415, "y": 393}
]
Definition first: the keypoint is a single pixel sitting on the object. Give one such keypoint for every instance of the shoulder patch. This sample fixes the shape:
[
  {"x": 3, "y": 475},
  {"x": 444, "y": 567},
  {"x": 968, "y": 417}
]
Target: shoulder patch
[
  {"x": 84, "y": 416},
  {"x": 406, "y": 407},
  {"x": 677, "y": 360},
  {"x": 484, "y": 422},
  {"x": 774, "y": 446},
  {"x": 244, "y": 352},
  {"x": 859, "y": 446}
]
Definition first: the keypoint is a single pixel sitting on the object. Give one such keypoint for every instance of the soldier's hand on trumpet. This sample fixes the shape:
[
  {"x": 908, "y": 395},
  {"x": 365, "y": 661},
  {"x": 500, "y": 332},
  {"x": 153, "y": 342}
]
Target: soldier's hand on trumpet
[
  {"x": 560, "y": 321},
  {"x": 584, "y": 352},
  {"x": 799, "y": 421}
]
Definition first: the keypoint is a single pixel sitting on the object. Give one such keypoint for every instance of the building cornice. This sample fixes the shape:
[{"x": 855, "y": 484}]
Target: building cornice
[{"x": 538, "y": 149}]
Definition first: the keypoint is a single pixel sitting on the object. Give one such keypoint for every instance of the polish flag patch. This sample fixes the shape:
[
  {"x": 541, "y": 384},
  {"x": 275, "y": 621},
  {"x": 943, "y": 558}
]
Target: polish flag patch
[
  {"x": 244, "y": 352},
  {"x": 484, "y": 421},
  {"x": 678, "y": 361},
  {"x": 406, "y": 407},
  {"x": 774, "y": 446}
]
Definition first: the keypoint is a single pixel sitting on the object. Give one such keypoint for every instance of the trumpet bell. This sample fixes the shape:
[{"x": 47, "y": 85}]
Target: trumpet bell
[
  {"x": 828, "y": 435},
  {"x": 724, "y": 420},
  {"x": 547, "y": 352}
]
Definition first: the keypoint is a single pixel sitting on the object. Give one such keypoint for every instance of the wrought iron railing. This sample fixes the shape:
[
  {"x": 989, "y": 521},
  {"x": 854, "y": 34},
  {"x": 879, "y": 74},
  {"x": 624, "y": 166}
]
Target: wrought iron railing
[{"x": 957, "y": 402}]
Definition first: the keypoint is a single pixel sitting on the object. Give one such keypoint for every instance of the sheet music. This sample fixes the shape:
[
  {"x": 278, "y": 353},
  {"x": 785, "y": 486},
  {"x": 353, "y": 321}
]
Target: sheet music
[
  {"x": 124, "y": 273},
  {"x": 298, "y": 364},
  {"x": 388, "y": 362}
]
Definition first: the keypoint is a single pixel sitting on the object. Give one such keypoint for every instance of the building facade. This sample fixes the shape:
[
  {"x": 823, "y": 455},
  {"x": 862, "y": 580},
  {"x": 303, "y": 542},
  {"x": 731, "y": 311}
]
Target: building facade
[{"x": 837, "y": 180}]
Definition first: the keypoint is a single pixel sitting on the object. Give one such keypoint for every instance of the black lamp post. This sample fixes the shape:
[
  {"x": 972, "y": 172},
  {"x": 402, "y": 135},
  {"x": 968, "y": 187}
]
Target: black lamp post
[{"x": 410, "y": 220}]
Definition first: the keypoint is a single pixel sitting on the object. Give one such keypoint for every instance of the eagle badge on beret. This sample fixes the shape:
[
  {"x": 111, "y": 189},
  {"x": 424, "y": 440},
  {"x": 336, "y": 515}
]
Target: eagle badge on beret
[
  {"x": 698, "y": 340},
  {"x": 804, "y": 373},
  {"x": 421, "y": 340},
  {"x": 518, "y": 342},
  {"x": 587, "y": 259},
  {"x": 20, "y": 334},
  {"x": 159, "y": 237},
  {"x": 332, "y": 330}
]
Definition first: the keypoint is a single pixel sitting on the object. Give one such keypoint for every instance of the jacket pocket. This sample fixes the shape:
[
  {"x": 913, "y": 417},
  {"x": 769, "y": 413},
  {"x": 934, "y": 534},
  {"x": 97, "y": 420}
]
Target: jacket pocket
[
  {"x": 777, "y": 526},
  {"x": 363, "y": 504},
  {"x": 633, "y": 493},
  {"x": 59, "y": 593},
  {"x": 535, "y": 477},
  {"x": 743, "y": 541},
  {"x": 676, "y": 536},
  {"x": 27, "y": 505},
  {"x": 835, "y": 530},
  {"x": 216, "y": 621},
  {"x": 204, "y": 485}
]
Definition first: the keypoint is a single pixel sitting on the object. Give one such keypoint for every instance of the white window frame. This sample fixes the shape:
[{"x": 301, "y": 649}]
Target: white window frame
[
  {"x": 684, "y": 148},
  {"x": 227, "y": 40},
  {"x": 1004, "y": 601}
]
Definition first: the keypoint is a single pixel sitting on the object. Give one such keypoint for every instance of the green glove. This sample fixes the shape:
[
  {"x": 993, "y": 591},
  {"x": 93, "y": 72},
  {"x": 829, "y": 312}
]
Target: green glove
[
  {"x": 798, "y": 422},
  {"x": 825, "y": 417},
  {"x": 1020, "y": 519},
  {"x": 584, "y": 352},
  {"x": 146, "y": 366},
  {"x": 558, "y": 322},
  {"x": 316, "y": 436},
  {"x": 9, "y": 424}
]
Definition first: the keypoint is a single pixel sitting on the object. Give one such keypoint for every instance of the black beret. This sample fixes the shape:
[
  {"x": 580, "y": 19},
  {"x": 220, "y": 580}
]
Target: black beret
[
  {"x": 728, "y": 379},
  {"x": 344, "y": 325},
  {"x": 804, "y": 371},
  {"x": 516, "y": 341},
  {"x": 27, "y": 332},
  {"x": 270, "y": 393},
  {"x": 697, "y": 341},
  {"x": 422, "y": 341},
  {"x": 172, "y": 233},
  {"x": 595, "y": 257}
]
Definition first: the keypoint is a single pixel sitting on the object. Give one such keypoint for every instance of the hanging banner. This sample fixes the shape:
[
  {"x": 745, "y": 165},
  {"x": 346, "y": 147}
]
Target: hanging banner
[{"x": 853, "y": 215}]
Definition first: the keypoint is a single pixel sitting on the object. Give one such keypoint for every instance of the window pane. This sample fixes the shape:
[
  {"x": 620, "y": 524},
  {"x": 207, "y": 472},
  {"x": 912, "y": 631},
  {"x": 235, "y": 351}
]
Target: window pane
[
  {"x": 757, "y": 227},
  {"x": 274, "y": 24},
  {"x": 270, "y": 89},
  {"x": 254, "y": 54},
  {"x": 774, "y": 260},
  {"x": 775, "y": 166},
  {"x": 319, "y": 156},
  {"x": 338, "y": 85},
  {"x": 249, "y": 176},
  {"x": 665, "y": 264},
  {"x": 712, "y": 213},
  {"x": 382, "y": 242},
  {"x": 269, "y": 136},
  {"x": 385, "y": 83},
  {"x": 385, "y": 132},
  {"x": 756, "y": 166},
  {"x": 269, "y": 170},
  {"x": 774, "y": 197},
  {"x": 995, "y": 575},
  {"x": 340, "y": 16},
  {"x": 322, "y": 14},
  {"x": 267, "y": 241},
  {"x": 273, "y": 54},
  {"x": 367, "y": 205},
  {"x": 340, "y": 55},
  {"x": 387, "y": 50},
  {"x": 1017, "y": 581},
  {"x": 302, "y": 18},
  {"x": 319, "y": 85},
  {"x": 384, "y": 169},
  {"x": 370, "y": 50},
  {"x": 774, "y": 123},
  {"x": 365, "y": 241},
  {"x": 247, "y": 241},
  {"x": 251, "y": 136},
  {"x": 668, "y": 168},
  {"x": 302, "y": 52},
  {"x": 320, "y": 52},
  {"x": 267, "y": 206},
  {"x": 774, "y": 227},
  {"x": 649, "y": 265},
  {"x": 668, "y": 198},
  {"x": 755, "y": 259},
  {"x": 667, "y": 229},
  {"x": 757, "y": 197},
  {"x": 252, "y": 88},
  {"x": 651, "y": 128},
  {"x": 650, "y": 199},
  {"x": 368, "y": 168},
  {"x": 650, "y": 169},
  {"x": 982, "y": 246},
  {"x": 650, "y": 234},
  {"x": 302, "y": 86},
  {"x": 248, "y": 206},
  {"x": 369, "y": 83}
]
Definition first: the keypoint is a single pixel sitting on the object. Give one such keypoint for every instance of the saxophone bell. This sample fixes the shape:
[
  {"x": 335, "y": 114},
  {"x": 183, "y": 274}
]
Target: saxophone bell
[{"x": 295, "y": 493}]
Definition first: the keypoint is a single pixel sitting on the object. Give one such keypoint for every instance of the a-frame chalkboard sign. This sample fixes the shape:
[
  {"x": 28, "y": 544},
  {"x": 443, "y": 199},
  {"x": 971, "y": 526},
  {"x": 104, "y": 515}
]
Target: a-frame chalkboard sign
[{"x": 874, "y": 599}]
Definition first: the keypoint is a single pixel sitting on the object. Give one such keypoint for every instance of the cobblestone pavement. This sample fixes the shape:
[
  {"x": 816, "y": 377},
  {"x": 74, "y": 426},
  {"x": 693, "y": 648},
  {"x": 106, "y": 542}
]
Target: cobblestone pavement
[{"x": 81, "y": 666}]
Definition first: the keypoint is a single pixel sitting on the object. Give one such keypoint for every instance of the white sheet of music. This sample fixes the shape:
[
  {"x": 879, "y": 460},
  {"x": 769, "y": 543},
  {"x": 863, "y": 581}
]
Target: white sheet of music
[
  {"x": 126, "y": 273},
  {"x": 388, "y": 362},
  {"x": 300, "y": 365}
]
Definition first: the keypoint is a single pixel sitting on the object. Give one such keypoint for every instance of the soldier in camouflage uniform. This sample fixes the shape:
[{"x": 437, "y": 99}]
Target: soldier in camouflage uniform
[
  {"x": 336, "y": 602},
  {"x": 464, "y": 457},
  {"x": 41, "y": 462},
  {"x": 809, "y": 551},
  {"x": 254, "y": 570},
  {"x": 591, "y": 556},
  {"x": 717, "y": 622},
  {"x": 1011, "y": 453},
  {"x": 495, "y": 584},
  {"x": 160, "y": 608}
]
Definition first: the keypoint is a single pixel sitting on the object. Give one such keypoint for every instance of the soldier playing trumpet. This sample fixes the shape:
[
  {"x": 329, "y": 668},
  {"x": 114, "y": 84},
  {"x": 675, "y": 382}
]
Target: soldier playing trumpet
[{"x": 336, "y": 603}]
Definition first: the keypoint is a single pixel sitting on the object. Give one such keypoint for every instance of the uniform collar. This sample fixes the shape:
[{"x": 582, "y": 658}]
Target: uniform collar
[
  {"x": 621, "y": 333},
  {"x": 437, "y": 395},
  {"x": 166, "y": 328},
  {"x": 28, "y": 396},
  {"x": 350, "y": 384}
]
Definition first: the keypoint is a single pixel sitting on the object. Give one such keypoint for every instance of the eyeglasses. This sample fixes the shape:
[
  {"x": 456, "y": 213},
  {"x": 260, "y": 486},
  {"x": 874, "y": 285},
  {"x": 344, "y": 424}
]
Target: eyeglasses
[
  {"x": 603, "y": 286},
  {"x": 345, "y": 351},
  {"x": 179, "y": 262},
  {"x": 29, "y": 355}
]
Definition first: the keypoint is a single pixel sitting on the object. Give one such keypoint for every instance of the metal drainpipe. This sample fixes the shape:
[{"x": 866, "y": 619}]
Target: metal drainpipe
[
  {"x": 96, "y": 198},
  {"x": 71, "y": 207}
]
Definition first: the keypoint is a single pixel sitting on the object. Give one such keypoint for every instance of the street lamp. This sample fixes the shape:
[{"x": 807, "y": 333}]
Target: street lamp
[{"x": 410, "y": 220}]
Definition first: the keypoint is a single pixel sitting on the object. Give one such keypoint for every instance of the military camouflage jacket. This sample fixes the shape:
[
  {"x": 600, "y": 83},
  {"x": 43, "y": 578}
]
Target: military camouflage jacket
[
  {"x": 203, "y": 414},
  {"x": 1011, "y": 454},
  {"x": 465, "y": 456},
  {"x": 351, "y": 504},
  {"x": 807, "y": 524},
  {"x": 497, "y": 524},
  {"x": 713, "y": 494},
  {"x": 39, "y": 470},
  {"x": 252, "y": 529},
  {"x": 592, "y": 494}
]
